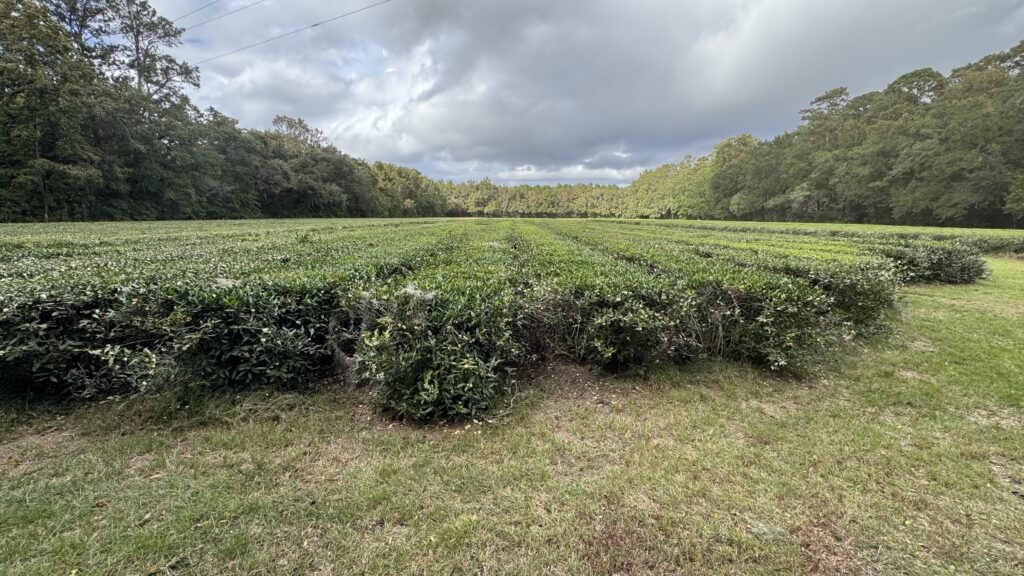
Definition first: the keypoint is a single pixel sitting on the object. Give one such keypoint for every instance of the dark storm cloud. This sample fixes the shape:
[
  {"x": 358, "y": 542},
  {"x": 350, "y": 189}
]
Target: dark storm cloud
[{"x": 570, "y": 90}]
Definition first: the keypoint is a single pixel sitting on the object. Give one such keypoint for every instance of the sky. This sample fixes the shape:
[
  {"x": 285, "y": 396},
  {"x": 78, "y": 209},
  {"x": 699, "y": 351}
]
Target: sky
[{"x": 566, "y": 90}]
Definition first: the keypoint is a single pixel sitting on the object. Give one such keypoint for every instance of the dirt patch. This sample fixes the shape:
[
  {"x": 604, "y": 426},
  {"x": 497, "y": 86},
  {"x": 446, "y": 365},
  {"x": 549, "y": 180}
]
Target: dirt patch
[
  {"x": 826, "y": 547},
  {"x": 561, "y": 388},
  {"x": 326, "y": 463},
  {"x": 142, "y": 461},
  {"x": 923, "y": 346},
  {"x": 772, "y": 409},
  {"x": 28, "y": 451},
  {"x": 912, "y": 375},
  {"x": 620, "y": 543},
  {"x": 568, "y": 380},
  {"x": 1009, "y": 473},
  {"x": 1002, "y": 417}
]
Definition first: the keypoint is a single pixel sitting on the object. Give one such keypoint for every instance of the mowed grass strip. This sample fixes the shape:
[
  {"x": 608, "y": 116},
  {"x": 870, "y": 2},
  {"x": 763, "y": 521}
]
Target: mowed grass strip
[{"x": 902, "y": 457}]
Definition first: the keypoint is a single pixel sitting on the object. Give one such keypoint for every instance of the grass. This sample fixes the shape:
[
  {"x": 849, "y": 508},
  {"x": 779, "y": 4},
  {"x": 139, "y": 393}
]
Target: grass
[
  {"x": 836, "y": 226},
  {"x": 905, "y": 456}
]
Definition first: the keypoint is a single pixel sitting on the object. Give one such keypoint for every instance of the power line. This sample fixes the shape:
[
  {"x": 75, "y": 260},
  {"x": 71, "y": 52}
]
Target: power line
[
  {"x": 203, "y": 7},
  {"x": 296, "y": 31},
  {"x": 225, "y": 15}
]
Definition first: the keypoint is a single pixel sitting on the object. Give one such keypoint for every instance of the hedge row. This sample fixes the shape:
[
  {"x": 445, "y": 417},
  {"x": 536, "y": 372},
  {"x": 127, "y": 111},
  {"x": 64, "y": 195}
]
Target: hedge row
[
  {"x": 437, "y": 316},
  {"x": 98, "y": 333},
  {"x": 861, "y": 290},
  {"x": 443, "y": 345}
]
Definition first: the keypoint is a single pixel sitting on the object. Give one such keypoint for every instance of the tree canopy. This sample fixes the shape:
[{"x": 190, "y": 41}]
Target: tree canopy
[
  {"x": 928, "y": 149},
  {"x": 95, "y": 125}
]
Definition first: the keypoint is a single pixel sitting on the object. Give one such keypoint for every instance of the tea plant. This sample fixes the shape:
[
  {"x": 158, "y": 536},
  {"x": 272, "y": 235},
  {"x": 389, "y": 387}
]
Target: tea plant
[{"x": 435, "y": 315}]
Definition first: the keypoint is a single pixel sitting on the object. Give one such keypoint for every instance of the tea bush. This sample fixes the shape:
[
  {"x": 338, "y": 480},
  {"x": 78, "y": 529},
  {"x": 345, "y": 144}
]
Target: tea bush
[
  {"x": 951, "y": 263},
  {"x": 435, "y": 315},
  {"x": 440, "y": 356}
]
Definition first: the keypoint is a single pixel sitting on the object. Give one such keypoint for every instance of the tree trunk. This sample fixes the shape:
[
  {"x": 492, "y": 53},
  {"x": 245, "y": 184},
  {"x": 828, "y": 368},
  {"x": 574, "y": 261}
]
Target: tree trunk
[
  {"x": 42, "y": 175},
  {"x": 46, "y": 200}
]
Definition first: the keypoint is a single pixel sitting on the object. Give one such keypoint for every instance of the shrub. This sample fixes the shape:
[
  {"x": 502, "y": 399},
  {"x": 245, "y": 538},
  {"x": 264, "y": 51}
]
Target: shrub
[
  {"x": 862, "y": 293},
  {"x": 83, "y": 341},
  {"x": 616, "y": 330},
  {"x": 439, "y": 356},
  {"x": 770, "y": 322},
  {"x": 436, "y": 316},
  {"x": 256, "y": 334},
  {"x": 954, "y": 263}
]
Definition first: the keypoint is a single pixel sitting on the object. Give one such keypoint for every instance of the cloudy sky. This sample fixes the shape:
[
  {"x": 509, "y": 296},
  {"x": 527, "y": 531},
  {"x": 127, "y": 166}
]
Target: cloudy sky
[{"x": 566, "y": 90}]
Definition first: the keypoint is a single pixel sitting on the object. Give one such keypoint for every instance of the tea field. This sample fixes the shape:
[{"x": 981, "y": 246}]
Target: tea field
[
  {"x": 438, "y": 315},
  {"x": 619, "y": 398}
]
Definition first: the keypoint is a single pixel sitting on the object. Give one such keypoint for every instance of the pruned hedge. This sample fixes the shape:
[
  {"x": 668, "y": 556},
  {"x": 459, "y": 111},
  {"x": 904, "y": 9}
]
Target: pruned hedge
[
  {"x": 436, "y": 319},
  {"x": 952, "y": 263}
]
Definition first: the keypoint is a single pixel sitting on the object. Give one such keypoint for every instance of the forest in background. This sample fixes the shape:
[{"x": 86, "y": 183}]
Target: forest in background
[
  {"x": 95, "y": 125},
  {"x": 929, "y": 149}
]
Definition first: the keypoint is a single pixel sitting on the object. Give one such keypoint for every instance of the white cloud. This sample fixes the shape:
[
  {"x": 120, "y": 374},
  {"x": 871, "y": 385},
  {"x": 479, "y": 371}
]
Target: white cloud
[{"x": 574, "y": 89}]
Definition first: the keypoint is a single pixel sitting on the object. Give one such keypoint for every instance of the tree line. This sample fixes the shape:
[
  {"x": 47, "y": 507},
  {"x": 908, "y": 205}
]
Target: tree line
[
  {"x": 95, "y": 125},
  {"x": 929, "y": 149}
]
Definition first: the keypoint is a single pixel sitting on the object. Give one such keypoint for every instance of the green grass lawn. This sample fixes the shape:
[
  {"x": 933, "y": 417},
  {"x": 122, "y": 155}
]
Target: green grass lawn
[{"x": 904, "y": 456}]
